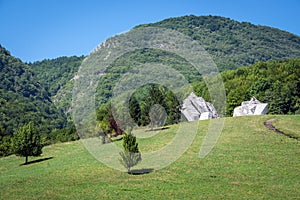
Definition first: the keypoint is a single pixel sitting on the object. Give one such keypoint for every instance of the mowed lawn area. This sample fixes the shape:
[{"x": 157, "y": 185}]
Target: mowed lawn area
[{"x": 248, "y": 162}]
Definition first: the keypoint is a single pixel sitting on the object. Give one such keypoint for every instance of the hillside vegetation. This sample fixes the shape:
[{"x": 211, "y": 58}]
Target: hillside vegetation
[
  {"x": 42, "y": 91},
  {"x": 234, "y": 44},
  {"x": 24, "y": 99},
  {"x": 231, "y": 44},
  {"x": 248, "y": 162},
  {"x": 56, "y": 77},
  {"x": 274, "y": 82},
  {"x": 53, "y": 74}
]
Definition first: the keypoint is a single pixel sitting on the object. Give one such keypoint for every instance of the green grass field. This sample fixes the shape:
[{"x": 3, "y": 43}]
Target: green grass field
[
  {"x": 290, "y": 127},
  {"x": 248, "y": 162}
]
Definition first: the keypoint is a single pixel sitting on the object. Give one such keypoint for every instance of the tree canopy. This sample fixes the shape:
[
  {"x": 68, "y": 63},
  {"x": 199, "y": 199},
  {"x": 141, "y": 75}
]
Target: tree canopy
[
  {"x": 273, "y": 82},
  {"x": 27, "y": 142},
  {"x": 131, "y": 155},
  {"x": 24, "y": 99},
  {"x": 233, "y": 44}
]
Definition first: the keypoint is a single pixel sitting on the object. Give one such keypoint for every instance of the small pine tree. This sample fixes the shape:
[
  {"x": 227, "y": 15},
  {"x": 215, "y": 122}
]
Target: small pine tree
[
  {"x": 131, "y": 155},
  {"x": 27, "y": 142}
]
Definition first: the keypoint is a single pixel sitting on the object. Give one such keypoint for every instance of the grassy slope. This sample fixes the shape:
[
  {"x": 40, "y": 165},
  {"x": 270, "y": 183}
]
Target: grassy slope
[
  {"x": 249, "y": 161},
  {"x": 290, "y": 127}
]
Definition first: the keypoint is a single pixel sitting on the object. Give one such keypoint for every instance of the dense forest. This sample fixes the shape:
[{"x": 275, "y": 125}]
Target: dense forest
[
  {"x": 234, "y": 44},
  {"x": 273, "y": 82},
  {"x": 42, "y": 91},
  {"x": 56, "y": 77},
  {"x": 53, "y": 74},
  {"x": 231, "y": 44},
  {"x": 23, "y": 99}
]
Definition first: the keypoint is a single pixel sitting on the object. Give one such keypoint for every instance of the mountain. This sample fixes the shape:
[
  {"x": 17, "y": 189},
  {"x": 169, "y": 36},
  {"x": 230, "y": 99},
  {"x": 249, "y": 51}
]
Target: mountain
[
  {"x": 231, "y": 44},
  {"x": 42, "y": 91},
  {"x": 24, "y": 99},
  {"x": 53, "y": 74},
  {"x": 56, "y": 77},
  {"x": 234, "y": 44}
]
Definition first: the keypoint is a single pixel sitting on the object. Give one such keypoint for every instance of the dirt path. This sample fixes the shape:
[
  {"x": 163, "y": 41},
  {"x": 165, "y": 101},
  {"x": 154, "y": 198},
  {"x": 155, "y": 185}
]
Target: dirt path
[{"x": 269, "y": 125}]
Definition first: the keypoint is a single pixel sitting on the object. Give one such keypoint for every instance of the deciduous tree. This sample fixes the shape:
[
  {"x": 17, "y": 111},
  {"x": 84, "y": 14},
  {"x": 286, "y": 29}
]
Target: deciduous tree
[{"x": 27, "y": 142}]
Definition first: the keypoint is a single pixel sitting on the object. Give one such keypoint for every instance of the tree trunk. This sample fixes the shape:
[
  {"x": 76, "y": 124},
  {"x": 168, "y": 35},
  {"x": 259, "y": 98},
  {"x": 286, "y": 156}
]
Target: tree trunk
[{"x": 26, "y": 159}]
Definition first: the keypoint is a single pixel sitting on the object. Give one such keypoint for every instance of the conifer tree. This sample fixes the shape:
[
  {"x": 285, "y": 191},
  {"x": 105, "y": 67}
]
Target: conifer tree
[{"x": 131, "y": 155}]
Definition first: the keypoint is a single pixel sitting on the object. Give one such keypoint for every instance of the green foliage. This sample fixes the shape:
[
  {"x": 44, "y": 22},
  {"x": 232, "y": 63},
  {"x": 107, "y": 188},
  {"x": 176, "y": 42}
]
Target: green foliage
[
  {"x": 61, "y": 135},
  {"x": 53, "y": 74},
  {"x": 104, "y": 115},
  {"x": 230, "y": 43},
  {"x": 131, "y": 155},
  {"x": 173, "y": 106},
  {"x": 27, "y": 142},
  {"x": 147, "y": 105},
  {"x": 233, "y": 44},
  {"x": 23, "y": 98},
  {"x": 148, "y": 96},
  {"x": 57, "y": 77},
  {"x": 5, "y": 143},
  {"x": 155, "y": 102},
  {"x": 273, "y": 82},
  {"x": 130, "y": 144},
  {"x": 129, "y": 61},
  {"x": 135, "y": 110}
]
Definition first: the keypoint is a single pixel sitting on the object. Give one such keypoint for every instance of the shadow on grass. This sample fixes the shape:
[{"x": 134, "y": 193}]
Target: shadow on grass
[
  {"x": 37, "y": 161},
  {"x": 140, "y": 171},
  {"x": 158, "y": 129},
  {"x": 116, "y": 139}
]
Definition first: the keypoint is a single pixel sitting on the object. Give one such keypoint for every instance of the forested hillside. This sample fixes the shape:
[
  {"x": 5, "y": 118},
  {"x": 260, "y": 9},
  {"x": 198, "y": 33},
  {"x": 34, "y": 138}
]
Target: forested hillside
[
  {"x": 231, "y": 44},
  {"x": 53, "y": 74},
  {"x": 234, "y": 44},
  {"x": 273, "y": 82},
  {"x": 42, "y": 91},
  {"x": 23, "y": 98},
  {"x": 56, "y": 76}
]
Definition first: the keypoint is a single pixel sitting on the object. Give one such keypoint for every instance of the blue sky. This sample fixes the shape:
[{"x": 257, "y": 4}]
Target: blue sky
[{"x": 38, "y": 29}]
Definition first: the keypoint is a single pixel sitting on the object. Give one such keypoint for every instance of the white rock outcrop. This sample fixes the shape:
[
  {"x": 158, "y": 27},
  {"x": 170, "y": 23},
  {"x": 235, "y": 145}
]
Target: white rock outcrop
[
  {"x": 196, "y": 108},
  {"x": 252, "y": 107}
]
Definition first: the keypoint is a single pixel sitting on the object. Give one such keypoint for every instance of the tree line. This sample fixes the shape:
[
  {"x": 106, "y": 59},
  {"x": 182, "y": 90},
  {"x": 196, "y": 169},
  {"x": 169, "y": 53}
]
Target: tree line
[
  {"x": 152, "y": 105},
  {"x": 274, "y": 82},
  {"x": 23, "y": 98}
]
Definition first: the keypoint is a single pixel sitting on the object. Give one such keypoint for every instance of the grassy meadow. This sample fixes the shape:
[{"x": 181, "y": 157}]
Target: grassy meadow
[{"x": 248, "y": 162}]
